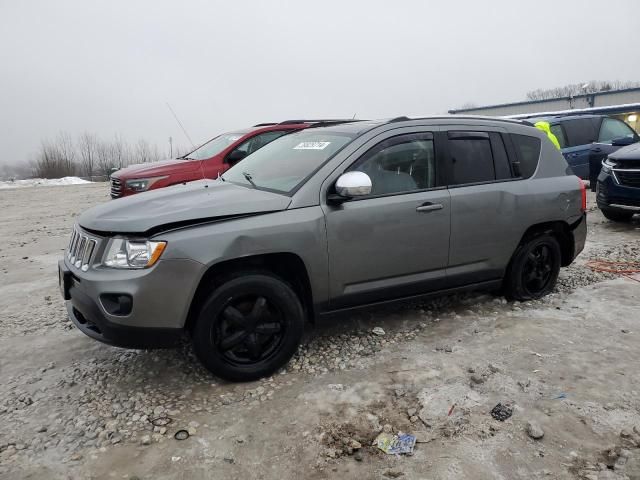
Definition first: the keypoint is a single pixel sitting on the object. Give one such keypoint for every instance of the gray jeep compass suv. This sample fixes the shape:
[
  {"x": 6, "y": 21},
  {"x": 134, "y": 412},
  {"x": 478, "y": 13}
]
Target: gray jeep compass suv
[{"x": 322, "y": 220}]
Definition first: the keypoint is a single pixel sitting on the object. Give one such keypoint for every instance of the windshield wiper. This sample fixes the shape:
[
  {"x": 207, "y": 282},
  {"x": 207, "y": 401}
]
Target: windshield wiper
[{"x": 249, "y": 179}]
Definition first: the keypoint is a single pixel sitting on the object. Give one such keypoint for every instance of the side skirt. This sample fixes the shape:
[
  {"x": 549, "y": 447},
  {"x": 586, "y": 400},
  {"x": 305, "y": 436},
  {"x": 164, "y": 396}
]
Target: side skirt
[{"x": 487, "y": 285}]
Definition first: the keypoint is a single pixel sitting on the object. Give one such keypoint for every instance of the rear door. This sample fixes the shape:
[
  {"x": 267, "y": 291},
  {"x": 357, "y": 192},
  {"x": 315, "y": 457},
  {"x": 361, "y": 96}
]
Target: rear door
[
  {"x": 580, "y": 134},
  {"x": 394, "y": 242},
  {"x": 485, "y": 220}
]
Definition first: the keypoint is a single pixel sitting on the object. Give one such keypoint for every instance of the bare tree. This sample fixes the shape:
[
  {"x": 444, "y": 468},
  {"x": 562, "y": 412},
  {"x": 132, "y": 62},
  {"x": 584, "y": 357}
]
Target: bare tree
[
  {"x": 87, "y": 147},
  {"x": 119, "y": 152},
  {"x": 89, "y": 155},
  {"x": 53, "y": 161},
  {"x": 467, "y": 105},
  {"x": 104, "y": 157},
  {"x": 142, "y": 151},
  {"x": 67, "y": 151}
]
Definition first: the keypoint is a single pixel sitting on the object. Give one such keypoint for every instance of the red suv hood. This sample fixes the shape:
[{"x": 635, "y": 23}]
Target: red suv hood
[{"x": 157, "y": 169}]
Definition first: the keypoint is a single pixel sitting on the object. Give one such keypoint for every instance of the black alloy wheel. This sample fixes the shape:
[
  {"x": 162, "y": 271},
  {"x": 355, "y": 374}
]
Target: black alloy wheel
[
  {"x": 538, "y": 269},
  {"x": 248, "y": 327},
  {"x": 249, "y": 330},
  {"x": 534, "y": 268}
]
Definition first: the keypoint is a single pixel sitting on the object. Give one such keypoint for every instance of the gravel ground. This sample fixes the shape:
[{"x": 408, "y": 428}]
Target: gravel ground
[{"x": 564, "y": 365}]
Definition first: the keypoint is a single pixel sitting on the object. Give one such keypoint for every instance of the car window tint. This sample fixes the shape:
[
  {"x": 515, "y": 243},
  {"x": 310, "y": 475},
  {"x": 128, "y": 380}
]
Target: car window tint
[
  {"x": 400, "y": 164},
  {"x": 580, "y": 132},
  {"x": 471, "y": 159},
  {"x": 612, "y": 128},
  {"x": 558, "y": 131},
  {"x": 528, "y": 149}
]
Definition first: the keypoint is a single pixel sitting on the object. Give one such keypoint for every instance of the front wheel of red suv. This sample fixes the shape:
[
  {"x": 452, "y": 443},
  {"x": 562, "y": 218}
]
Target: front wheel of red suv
[
  {"x": 534, "y": 268},
  {"x": 248, "y": 327}
]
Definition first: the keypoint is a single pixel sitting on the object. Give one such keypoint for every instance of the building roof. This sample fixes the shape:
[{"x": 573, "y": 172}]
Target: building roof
[
  {"x": 604, "y": 110},
  {"x": 533, "y": 102}
]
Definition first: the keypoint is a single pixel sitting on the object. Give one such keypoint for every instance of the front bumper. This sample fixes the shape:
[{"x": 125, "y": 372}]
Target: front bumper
[
  {"x": 612, "y": 195},
  {"x": 160, "y": 298}
]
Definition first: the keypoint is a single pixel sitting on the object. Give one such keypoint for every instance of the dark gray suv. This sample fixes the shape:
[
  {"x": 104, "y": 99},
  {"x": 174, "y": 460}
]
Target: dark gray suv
[{"x": 323, "y": 220}]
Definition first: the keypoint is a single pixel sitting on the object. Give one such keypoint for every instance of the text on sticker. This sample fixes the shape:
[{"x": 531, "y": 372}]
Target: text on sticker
[{"x": 311, "y": 146}]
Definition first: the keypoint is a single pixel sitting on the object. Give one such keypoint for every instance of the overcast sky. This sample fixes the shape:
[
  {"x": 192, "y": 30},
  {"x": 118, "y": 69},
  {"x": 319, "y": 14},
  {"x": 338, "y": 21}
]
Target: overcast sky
[{"x": 110, "y": 67}]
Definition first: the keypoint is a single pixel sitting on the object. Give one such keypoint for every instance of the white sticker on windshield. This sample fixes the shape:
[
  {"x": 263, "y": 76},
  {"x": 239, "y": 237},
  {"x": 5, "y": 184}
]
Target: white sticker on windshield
[
  {"x": 233, "y": 138},
  {"x": 312, "y": 146}
]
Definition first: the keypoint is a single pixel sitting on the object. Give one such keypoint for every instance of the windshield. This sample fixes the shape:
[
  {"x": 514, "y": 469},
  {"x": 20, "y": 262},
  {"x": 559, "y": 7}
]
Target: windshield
[
  {"x": 286, "y": 162},
  {"x": 214, "y": 147}
]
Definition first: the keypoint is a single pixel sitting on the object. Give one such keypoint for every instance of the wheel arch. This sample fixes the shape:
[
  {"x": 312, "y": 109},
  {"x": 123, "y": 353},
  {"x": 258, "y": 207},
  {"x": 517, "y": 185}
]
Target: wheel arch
[
  {"x": 562, "y": 233},
  {"x": 287, "y": 266}
]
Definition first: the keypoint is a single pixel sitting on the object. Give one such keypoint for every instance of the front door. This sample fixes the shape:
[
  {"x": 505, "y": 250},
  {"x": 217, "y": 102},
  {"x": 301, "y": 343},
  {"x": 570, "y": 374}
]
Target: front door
[{"x": 394, "y": 242}]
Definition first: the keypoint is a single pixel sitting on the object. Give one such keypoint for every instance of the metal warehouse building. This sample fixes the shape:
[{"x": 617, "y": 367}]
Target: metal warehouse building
[{"x": 622, "y": 104}]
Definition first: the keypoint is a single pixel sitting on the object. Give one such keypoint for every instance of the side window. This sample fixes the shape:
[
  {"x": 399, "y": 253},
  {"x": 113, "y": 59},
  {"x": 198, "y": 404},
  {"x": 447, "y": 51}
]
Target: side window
[
  {"x": 528, "y": 151},
  {"x": 612, "y": 128},
  {"x": 558, "y": 131},
  {"x": 471, "y": 158},
  {"x": 254, "y": 143},
  {"x": 400, "y": 164},
  {"x": 580, "y": 132}
]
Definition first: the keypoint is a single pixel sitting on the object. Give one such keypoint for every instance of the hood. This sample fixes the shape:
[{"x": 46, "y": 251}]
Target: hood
[
  {"x": 152, "y": 169},
  {"x": 630, "y": 152},
  {"x": 192, "y": 202}
]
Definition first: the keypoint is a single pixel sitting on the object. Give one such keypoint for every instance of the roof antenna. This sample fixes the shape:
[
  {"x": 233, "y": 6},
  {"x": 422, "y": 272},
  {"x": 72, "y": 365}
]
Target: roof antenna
[
  {"x": 188, "y": 137},
  {"x": 181, "y": 126}
]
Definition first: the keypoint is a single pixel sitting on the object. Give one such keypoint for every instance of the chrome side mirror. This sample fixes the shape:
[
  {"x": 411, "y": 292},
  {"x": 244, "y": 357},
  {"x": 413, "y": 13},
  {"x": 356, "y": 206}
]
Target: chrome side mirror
[{"x": 353, "y": 184}]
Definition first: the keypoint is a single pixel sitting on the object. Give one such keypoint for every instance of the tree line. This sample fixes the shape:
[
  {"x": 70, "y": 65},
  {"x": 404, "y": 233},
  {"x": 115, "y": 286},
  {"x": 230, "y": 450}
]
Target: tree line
[
  {"x": 89, "y": 156},
  {"x": 573, "y": 89}
]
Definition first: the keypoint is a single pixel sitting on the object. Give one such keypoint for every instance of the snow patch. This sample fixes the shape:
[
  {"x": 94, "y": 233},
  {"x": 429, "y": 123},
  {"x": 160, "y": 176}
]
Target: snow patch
[{"x": 43, "y": 182}]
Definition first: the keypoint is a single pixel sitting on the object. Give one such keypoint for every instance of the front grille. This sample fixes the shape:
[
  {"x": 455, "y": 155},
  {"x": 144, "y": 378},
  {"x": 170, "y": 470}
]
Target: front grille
[
  {"x": 116, "y": 187},
  {"x": 80, "y": 250},
  {"x": 628, "y": 178}
]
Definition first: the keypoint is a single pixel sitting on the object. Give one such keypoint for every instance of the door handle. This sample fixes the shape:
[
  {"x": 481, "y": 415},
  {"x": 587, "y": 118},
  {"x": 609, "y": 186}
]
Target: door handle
[
  {"x": 597, "y": 150},
  {"x": 429, "y": 207}
]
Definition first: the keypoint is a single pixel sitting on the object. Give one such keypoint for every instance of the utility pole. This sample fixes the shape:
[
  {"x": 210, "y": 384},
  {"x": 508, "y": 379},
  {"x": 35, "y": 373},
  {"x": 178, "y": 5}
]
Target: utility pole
[{"x": 170, "y": 147}]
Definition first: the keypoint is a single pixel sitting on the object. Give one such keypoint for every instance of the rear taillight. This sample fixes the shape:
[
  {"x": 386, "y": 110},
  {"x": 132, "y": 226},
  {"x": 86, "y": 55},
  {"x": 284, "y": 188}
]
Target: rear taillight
[{"x": 583, "y": 190}]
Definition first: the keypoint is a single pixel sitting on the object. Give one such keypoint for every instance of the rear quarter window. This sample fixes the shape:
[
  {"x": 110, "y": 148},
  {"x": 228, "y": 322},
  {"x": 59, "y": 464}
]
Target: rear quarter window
[{"x": 528, "y": 151}]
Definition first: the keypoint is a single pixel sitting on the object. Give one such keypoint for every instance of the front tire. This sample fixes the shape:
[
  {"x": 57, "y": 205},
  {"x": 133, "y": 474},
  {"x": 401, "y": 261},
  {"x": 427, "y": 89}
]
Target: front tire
[
  {"x": 248, "y": 327},
  {"x": 534, "y": 268},
  {"x": 617, "y": 215}
]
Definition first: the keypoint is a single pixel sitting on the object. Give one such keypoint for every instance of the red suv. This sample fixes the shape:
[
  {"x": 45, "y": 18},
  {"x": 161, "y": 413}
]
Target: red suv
[{"x": 207, "y": 161}]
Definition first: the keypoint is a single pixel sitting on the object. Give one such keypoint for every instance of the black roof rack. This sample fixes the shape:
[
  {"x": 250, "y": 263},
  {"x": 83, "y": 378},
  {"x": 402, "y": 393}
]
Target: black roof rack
[
  {"x": 322, "y": 120},
  {"x": 463, "y": 117},
  {"x": 266, "y": 124}
]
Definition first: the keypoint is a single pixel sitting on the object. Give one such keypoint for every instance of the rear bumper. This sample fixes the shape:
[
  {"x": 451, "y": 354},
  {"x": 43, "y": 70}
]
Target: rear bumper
[{"x": 579, "y": 233}]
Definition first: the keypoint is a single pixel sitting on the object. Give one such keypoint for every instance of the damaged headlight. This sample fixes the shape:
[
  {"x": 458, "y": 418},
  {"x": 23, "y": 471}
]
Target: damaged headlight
[{"x": 123, "y": 253}]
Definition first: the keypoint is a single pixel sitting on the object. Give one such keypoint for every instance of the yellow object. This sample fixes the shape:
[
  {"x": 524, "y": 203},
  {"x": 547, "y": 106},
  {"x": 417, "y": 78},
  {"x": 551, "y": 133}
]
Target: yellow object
[{"x": 546, "y": 128}]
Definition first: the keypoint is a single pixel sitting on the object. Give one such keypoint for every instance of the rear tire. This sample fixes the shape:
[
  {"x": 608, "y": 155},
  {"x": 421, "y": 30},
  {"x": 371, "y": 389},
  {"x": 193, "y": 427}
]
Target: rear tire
[
  {"x": 534, "y": 268},
  {"x": 248, "y": 327},
  {"x": 617, "y": 215}
]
